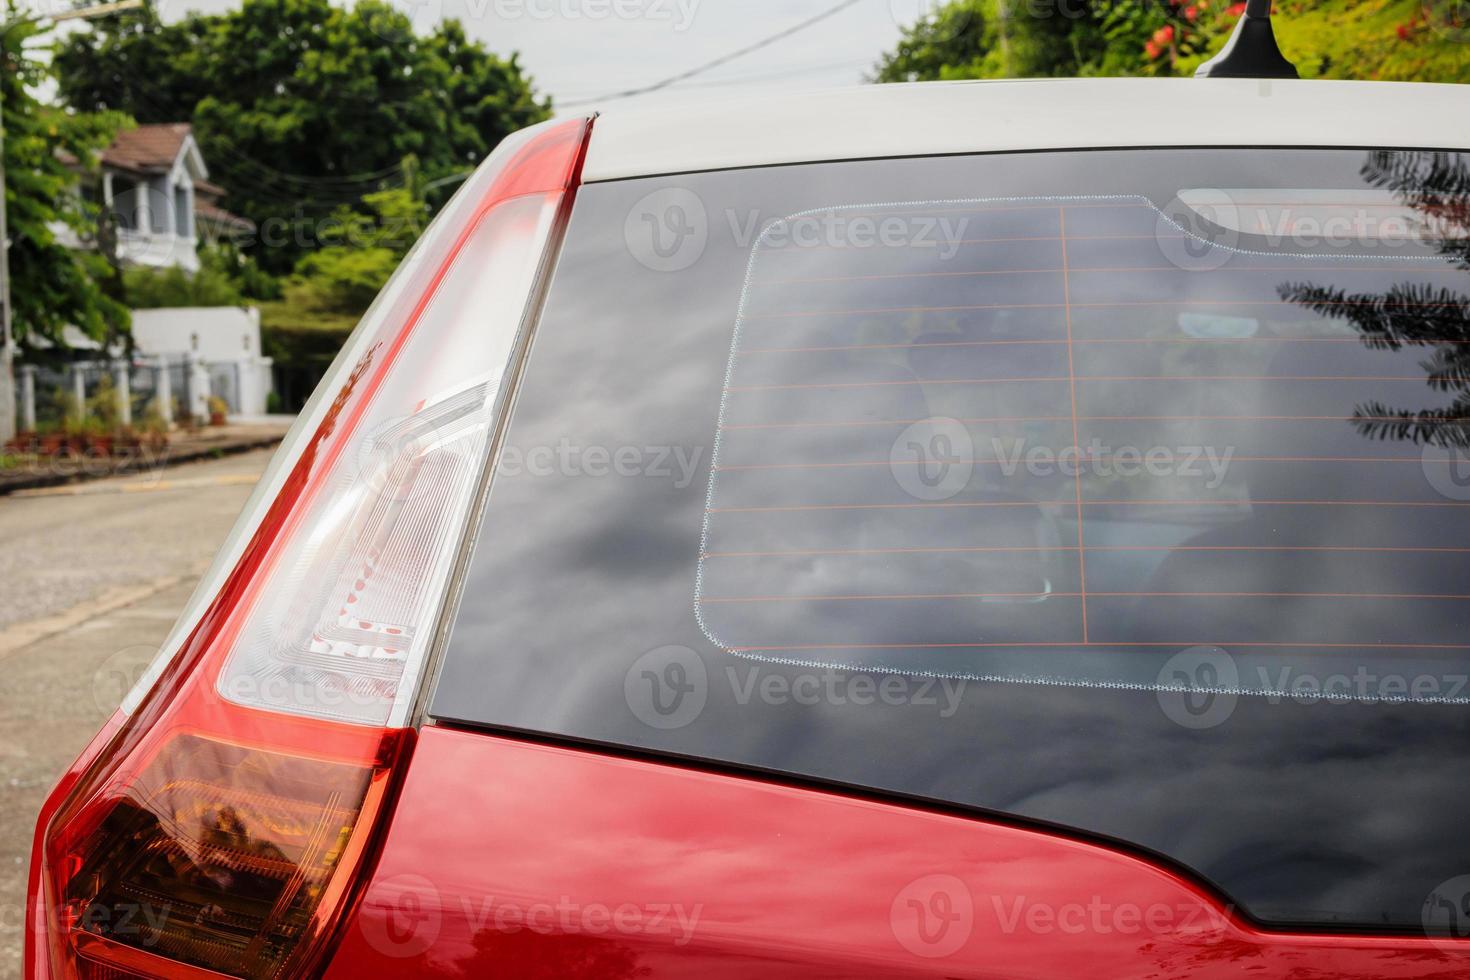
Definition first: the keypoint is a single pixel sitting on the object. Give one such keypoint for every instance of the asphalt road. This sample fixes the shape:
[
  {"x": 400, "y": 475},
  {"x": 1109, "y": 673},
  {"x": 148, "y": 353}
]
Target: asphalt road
[{"x": 91, "y": 579}]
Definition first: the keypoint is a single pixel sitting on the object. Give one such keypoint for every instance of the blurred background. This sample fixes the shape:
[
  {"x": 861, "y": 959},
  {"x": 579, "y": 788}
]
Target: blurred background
[{"x": 203, "y": 196}]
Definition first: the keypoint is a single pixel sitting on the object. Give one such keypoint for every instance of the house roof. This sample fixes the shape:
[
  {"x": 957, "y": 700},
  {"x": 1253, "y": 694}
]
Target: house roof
[
  {"x": 204, "y": 187},
  {"x": 151, "y": 148},
  {"x": 154, "y": 148},
  {"x": 210, "y": 212}
]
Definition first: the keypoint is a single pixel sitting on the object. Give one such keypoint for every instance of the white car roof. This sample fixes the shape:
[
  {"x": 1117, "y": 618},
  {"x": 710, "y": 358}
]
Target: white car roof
[{"x": 978, "y": 117}]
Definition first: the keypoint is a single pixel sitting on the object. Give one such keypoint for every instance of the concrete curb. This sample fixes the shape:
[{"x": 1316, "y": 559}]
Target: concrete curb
[{"x": 189, "y": 453}]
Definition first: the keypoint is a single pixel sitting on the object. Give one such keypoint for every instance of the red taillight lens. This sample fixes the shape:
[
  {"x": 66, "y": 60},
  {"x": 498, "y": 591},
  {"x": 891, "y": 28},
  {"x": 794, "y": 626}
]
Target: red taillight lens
[
  {"x": 217, "y": 855},
  {"x": 220, "y": 829}
]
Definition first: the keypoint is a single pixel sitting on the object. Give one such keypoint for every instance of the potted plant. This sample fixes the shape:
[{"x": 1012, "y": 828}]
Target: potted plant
[
  {"x": 153, "y": 430},
  {"x": 51, "y": 440},
  {"x": 24, "y": 442},
  {"x": 98, "y": 437},
  {"x": 74, "y": 428},
  {"x": 126, "y": 440},
  {"x": 218, "y": 409}
]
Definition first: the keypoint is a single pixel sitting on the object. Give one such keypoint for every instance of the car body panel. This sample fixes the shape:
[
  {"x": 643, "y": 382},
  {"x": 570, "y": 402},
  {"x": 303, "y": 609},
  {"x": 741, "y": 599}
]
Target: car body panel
[
  {"x": 528, "y": 860},
  {"x": 932, "y": 118}
]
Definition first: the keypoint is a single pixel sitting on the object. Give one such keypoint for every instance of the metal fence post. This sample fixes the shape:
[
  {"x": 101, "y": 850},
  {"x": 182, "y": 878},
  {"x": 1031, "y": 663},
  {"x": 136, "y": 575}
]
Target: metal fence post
[
  {"x": 79, "y": 390},
  {"x": 124, "y": 393},
  {"x": 28, "y": 397},
  {"x": 163, "y": 392},
  {"x": 191, "y": 386},
  {"x": 7, "y": 388}
]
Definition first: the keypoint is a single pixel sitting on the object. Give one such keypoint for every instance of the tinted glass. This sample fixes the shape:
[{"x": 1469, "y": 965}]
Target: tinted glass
[{"x": 1119, "y": 490}]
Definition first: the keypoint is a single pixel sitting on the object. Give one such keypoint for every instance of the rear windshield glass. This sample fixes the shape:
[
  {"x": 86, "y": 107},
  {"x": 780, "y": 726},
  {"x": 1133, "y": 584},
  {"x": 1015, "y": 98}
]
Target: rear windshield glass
[
  {"x": 1044, "y": 484},
  {"x": 1011, "y": 436}
]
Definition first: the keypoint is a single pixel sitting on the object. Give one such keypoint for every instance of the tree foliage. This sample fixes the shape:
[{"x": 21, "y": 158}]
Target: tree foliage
[
  {"x": 1407, "y": 40},
  {"x": 360, "y": 252},
  {"x": 1414, "y": 314},
  {"x": 46, "y": 150},
  {"x": 301, "y": 107},
  {"x": 998, "y": 39},
  {"x": 225, "y": 278}
]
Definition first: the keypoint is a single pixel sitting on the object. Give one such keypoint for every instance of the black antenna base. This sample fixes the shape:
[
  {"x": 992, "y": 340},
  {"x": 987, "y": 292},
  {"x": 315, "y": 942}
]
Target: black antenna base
[{"x": 1252, "y": 51}]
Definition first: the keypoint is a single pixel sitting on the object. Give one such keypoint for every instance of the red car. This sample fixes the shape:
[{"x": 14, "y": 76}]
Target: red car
[{"x": 964, "y": 530}]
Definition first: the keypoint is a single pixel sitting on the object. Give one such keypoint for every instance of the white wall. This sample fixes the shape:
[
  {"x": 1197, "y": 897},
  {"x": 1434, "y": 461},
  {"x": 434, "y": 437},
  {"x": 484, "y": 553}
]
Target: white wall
[{"x": 212, "y": 333}]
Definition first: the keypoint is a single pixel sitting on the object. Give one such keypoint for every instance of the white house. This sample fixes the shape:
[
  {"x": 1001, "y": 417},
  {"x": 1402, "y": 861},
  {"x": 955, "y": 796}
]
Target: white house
[{"x": 155, "y": 186}]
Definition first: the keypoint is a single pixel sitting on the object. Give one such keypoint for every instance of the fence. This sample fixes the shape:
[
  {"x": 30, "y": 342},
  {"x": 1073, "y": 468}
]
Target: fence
[{"x": 124, "y": 393}]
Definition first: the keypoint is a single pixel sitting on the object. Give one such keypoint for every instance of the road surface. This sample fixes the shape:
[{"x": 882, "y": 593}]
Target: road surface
[{"x": 91, "y": 579}]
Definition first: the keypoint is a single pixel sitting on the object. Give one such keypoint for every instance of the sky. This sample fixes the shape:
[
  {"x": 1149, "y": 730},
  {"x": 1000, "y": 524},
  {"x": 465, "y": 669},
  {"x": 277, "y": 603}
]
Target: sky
[{"x": 579, "y": 51}]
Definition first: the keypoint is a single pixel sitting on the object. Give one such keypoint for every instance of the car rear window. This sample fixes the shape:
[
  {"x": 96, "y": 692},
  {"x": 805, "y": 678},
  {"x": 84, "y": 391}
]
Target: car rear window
[
  {"x": 1042, "y": 425},
  {"x": 1121, "y": 490}
]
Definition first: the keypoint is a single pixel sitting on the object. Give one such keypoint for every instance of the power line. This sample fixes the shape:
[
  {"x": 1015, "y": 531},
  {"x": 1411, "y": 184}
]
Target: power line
[{"x": 723, "y": 59}]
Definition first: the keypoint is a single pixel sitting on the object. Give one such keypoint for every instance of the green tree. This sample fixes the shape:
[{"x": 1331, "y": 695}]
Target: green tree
[
  {"x": 361, "y": 251},
  {"x": 1403, "y": 40},
  {"x": 999, "y": 39},
  {"x": 47, "y": 154},
  {"x": 301, "y": 107},
  {"x": 225, "y": 278}
]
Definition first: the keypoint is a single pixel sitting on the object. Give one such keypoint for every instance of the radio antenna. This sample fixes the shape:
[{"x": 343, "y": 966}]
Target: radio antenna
[{"x": 1252, "y": 51}]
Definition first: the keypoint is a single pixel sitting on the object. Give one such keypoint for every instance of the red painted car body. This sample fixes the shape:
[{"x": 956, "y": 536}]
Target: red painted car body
[{"x": 559, "y": 862}]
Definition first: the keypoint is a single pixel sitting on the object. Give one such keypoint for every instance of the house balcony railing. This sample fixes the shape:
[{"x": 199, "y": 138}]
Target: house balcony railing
[{"x": 155, "y": 248}]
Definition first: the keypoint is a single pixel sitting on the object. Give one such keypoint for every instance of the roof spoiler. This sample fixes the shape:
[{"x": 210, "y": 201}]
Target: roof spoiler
[{"x": 1252, "y": 51}]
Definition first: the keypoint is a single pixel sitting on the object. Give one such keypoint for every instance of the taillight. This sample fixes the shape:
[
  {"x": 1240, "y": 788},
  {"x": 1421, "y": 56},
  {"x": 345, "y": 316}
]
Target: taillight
[{"x": 220, "y": 830}]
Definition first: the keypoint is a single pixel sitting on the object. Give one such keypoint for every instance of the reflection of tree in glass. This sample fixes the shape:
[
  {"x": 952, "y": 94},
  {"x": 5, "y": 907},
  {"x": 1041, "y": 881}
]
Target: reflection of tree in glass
[{"x": 1414, "y": 314}]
